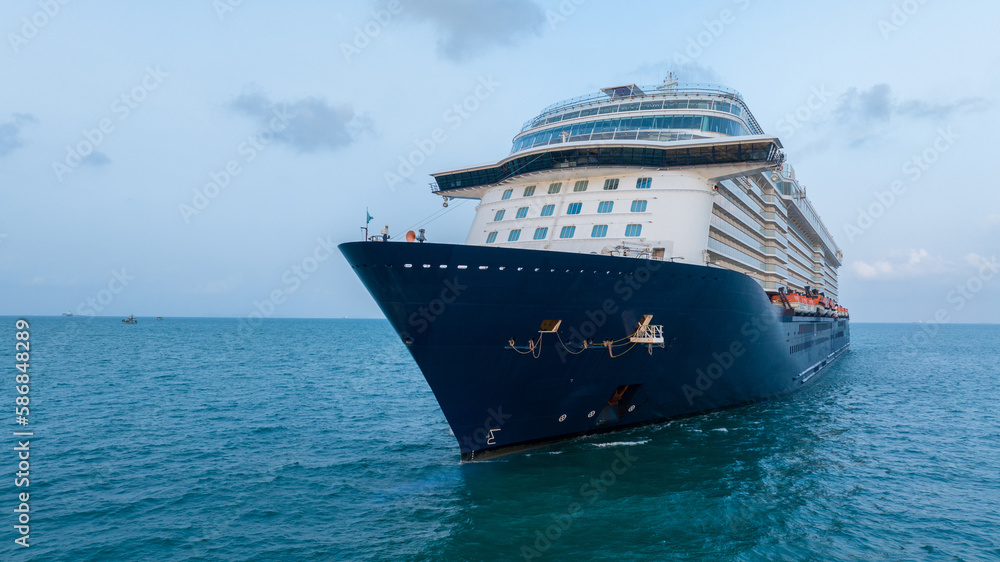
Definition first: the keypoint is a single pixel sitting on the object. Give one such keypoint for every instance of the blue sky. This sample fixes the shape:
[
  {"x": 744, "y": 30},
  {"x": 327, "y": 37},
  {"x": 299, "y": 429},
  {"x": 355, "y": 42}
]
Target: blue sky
[{"x": 198, "y": 158}]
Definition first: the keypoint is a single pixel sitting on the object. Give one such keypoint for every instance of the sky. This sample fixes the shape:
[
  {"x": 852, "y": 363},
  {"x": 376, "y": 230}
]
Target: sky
[{"x": 204, "y": 158}]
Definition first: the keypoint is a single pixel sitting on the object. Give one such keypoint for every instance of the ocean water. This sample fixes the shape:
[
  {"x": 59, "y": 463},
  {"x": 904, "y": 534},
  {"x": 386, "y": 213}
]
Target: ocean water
[{"x": 319, "y": 439}]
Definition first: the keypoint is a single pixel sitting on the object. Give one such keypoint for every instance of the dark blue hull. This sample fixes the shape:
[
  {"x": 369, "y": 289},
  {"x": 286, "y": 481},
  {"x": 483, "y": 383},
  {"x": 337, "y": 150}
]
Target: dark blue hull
[{"x": 458, "y": 307}]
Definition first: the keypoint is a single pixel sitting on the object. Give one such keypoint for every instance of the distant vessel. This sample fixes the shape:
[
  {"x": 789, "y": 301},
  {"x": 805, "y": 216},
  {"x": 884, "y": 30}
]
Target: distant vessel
[
  {"x": 643, "y": 254},
  {"x": 159, "y": 318},
  {"x": 130, "y": 320},
  {"x": 67, "y": 313}
]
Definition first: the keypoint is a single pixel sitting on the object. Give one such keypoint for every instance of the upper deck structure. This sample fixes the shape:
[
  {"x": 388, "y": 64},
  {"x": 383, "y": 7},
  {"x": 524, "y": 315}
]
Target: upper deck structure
[{"x": 669, "y": 172}]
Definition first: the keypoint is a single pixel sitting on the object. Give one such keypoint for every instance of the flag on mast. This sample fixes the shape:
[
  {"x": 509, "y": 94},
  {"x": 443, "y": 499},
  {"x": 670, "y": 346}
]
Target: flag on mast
[{"x": 370, "y": 217}]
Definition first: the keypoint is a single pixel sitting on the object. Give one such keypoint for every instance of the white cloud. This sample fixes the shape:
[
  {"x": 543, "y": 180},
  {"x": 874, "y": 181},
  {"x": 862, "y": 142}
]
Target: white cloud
[
  {"x": 902, "y": 264},
  {"x": 977, "y": 261}
]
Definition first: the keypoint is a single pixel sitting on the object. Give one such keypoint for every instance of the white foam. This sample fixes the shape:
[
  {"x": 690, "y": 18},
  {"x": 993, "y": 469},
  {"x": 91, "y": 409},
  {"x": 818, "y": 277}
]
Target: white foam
[{"x": 620, "y": 443}]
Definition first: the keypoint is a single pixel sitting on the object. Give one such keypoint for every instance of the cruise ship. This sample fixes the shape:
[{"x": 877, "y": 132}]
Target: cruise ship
[{"x": 644, "y": 253}]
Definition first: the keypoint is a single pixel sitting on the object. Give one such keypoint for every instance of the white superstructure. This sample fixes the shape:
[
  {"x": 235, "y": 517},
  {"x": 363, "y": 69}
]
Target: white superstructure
[{"x": 674, "y": 172}]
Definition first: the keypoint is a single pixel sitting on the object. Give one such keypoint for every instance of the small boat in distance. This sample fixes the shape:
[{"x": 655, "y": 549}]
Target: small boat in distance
[
  {"x": 130, "y": 320},
  {"x": 159, "y": 318},
  {"x": 67, "y": 313}
]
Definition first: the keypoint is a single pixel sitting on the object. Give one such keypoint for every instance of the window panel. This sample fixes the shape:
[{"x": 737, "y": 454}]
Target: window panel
[
  {"x": 499, "y": 215},
  {"x": 574, "y": 208},
  {"x": 639, "y": 206},
  {"x": 506, "y": 194},
  {"x": 621, "y": 128},
  {"x": 605, "y": 206},
  {"x": 599, "y": 231},
  {"x": 522, "y": 212},
  {"x": 633, "y": 230},
  {"x": 541, "y": 233},
  {"x": 529, "y": 191},
  {"x": 567, "y": 232},
  {"x": 555, "y": 187},
  {"x": 547, "y": 210},
  {"x": 581, "y": 185},
  {"x": 514, "y": 235},
  {"x": 492, "y": 237}
]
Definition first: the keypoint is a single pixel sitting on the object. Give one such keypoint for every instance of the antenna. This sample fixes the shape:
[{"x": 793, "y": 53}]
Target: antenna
[{"x": 669, "y": 82}]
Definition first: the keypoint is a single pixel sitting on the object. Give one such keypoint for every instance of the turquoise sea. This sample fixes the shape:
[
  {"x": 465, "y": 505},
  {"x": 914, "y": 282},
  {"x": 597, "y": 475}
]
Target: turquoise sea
[{"x": 319, "y": 440}]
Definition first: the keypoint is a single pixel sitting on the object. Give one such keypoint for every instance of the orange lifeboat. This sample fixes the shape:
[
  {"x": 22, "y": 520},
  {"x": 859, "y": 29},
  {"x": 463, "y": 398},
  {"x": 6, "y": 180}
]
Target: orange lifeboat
[
  {"x": 812, "y": 305},
  {"x": 796, "y": 301}
]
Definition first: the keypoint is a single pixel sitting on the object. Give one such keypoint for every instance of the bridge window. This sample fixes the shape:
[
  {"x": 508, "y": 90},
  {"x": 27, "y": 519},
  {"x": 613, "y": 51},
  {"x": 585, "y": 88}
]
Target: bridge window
[
  {"x": 523, "y": 211},
  {"x": 581, "y": 185},
  {"x": 514, "y": 235},
  {"x": 506, "y": 194},
  {"x": 492, "y": 237},
  {"x": 567, "y": 232},
  {"x": 599, "y": 231},
  {"x": 643, "y": 183},
  {"x": 574, "y": 209},
  {"x": 499, "y": 215},
  {"x": 605, "y": 206},
  {"x": 541, "y": 233},
  {"x": 555, "y": 187},
  {"x": 633, "y": 230},
  {"x": 638, "y": 206},
  {"x": 547, "y": 210},
  {"x": 529, "y": 191},
  {"x": 610, "y": 184}
]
